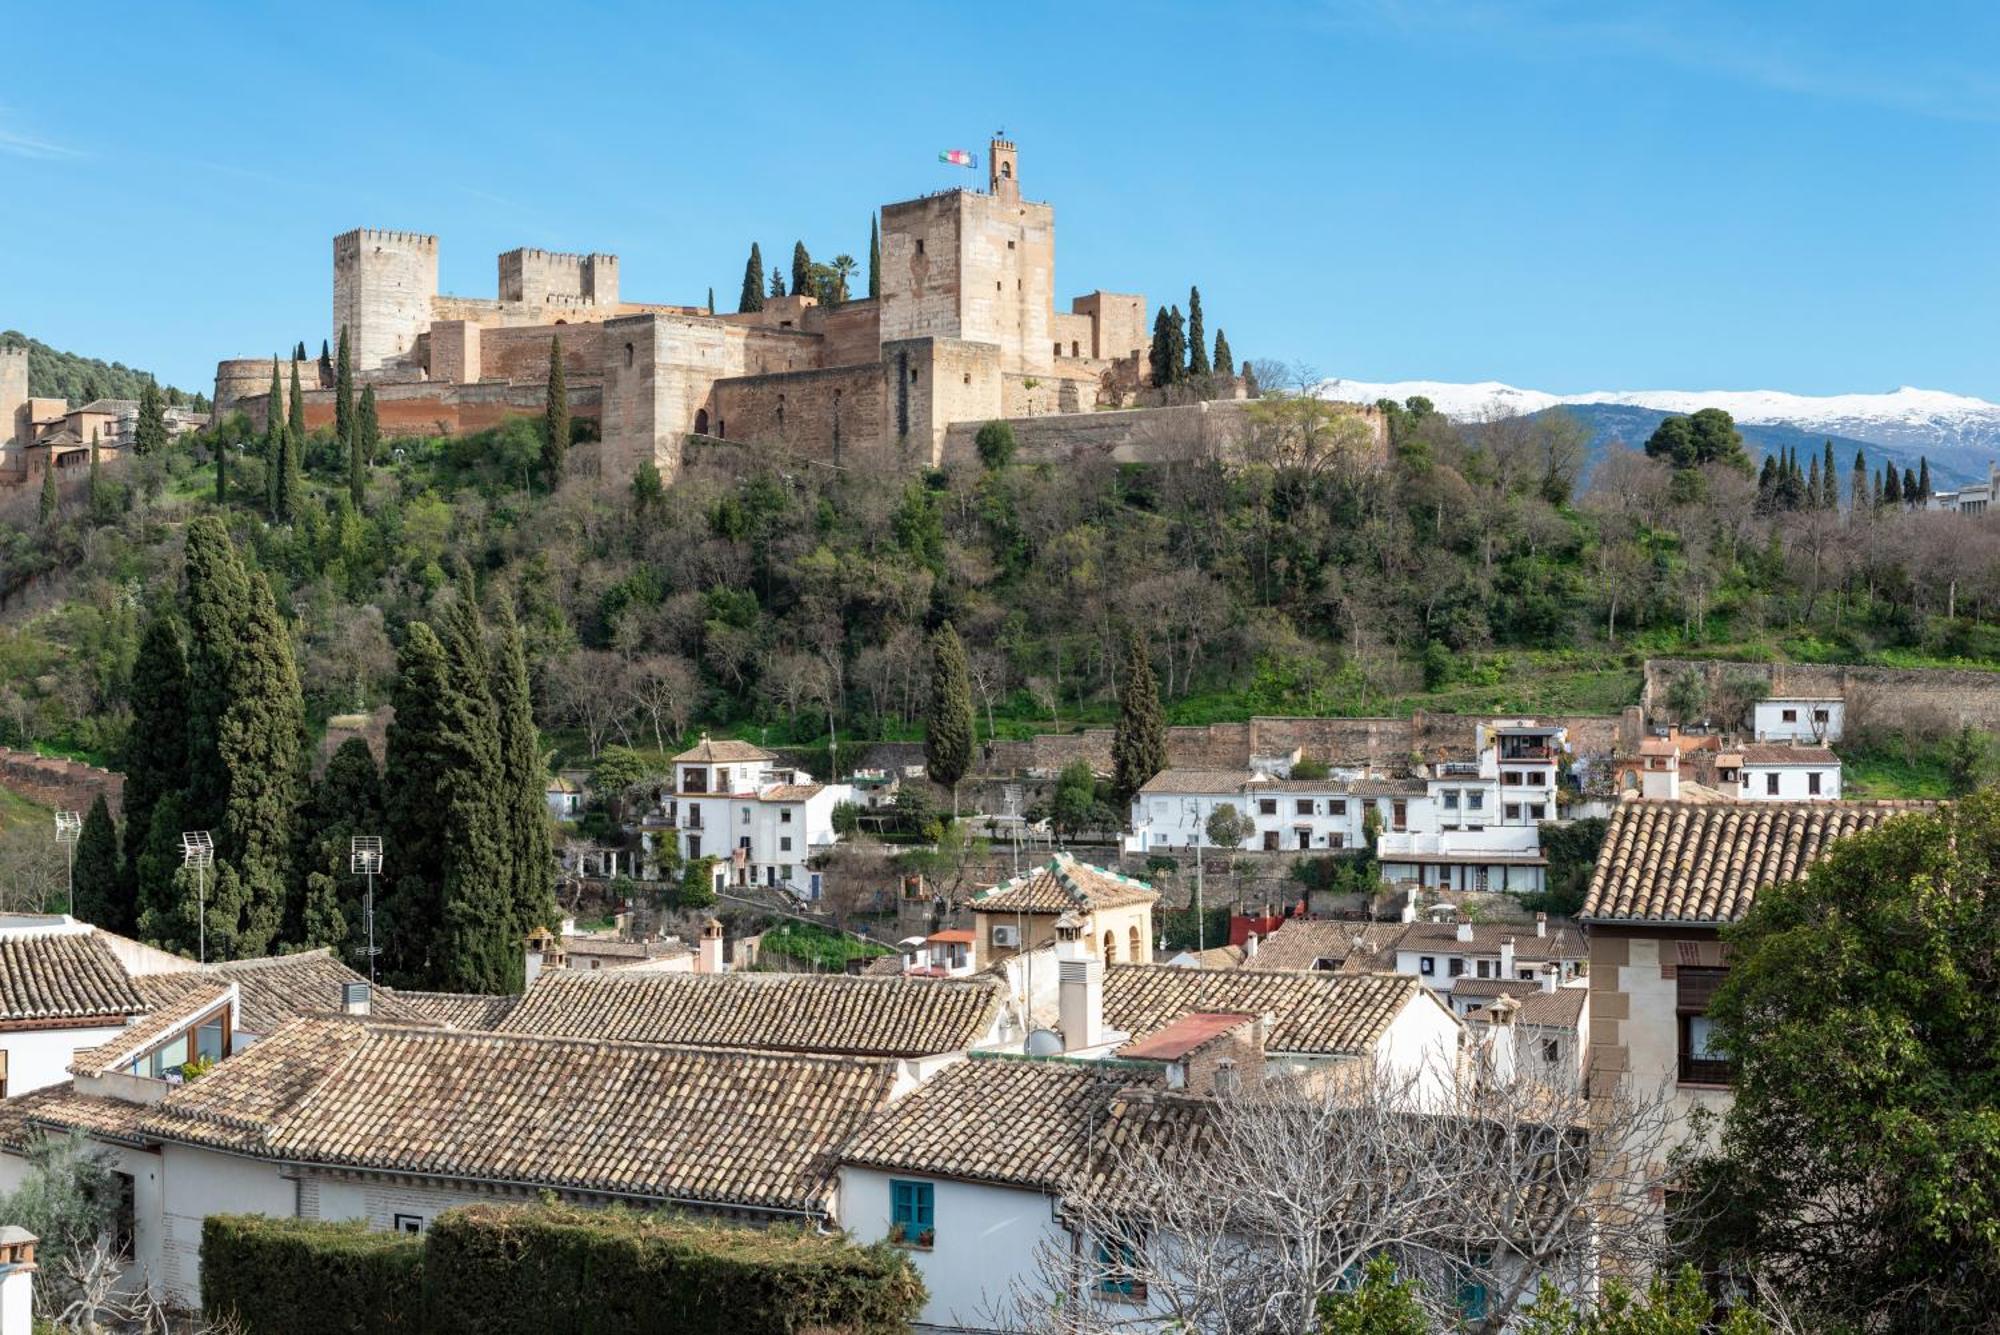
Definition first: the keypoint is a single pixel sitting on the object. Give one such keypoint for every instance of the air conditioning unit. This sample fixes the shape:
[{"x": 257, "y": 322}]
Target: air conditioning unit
[{"x": 1006, "y": 936}]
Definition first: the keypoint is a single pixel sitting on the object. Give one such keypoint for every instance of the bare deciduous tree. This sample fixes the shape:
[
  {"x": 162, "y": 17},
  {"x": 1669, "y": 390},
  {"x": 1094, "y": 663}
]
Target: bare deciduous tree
[{"x": 667, "y": 689}]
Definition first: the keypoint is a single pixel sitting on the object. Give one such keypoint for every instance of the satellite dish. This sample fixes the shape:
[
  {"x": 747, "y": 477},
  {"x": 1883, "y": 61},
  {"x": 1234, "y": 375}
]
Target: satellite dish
[{"x": 1044, "y": 1043}]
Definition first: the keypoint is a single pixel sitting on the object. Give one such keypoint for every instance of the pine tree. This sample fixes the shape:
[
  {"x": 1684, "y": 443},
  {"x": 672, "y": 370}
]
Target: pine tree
[
  {"x": 530, "y": 844},
  {"x": 753, "y": 282},
  {"x": 343, "y": 394},
  {"x": 295, "y": 410},
  {"x": 156, "y": 745},
  {"x": 802, "y": 270},
  {"x": 1858, "y": 482},
  {"x": 1176, "y": 345},
  {"x": 874, "y": 256},
  {"x": 150, "y": 435},
  {"x": 1829, "y": 476},
  {"x": 777, "y": 282},
  {"x": 1224, "y": 363},
  {"x": 1139, "y": 744},
  {"x": 1157, "y": 355},
  {"x": 347, "y": 801},
  {"x": 368, "y": 426},
  {"x": 555, "y": 420},
  {"x": 101, "y": 892},
  {"x": 1197, "y": 337},
  {"x": 51, "y": 493},
  {"x": 948, "y": 722}
]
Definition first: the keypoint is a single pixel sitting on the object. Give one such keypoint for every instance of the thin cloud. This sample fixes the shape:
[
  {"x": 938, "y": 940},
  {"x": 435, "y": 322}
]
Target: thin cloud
[{"x": 18, "y": 145}]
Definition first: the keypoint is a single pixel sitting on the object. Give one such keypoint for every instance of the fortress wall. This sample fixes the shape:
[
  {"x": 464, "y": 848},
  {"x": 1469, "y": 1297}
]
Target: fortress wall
[
  {"x": 242, "y": 378},
  {"x": 1175, "y": 434},
  {"x": 522, "y": 352},
  {"x": 433, "y": 408},
  {"x": 1885, "y": 697},
  {"x": 1045, "y": 395},
  {"x": 1074, "y": 336},
  {"x": 1119, "y": 319},
  {"x": 852, "y": 330},
  {"x": 825, "y": 415}
]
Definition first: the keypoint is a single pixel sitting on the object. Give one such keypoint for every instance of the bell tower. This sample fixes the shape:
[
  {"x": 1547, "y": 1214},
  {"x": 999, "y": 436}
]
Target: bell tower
[{"x": 1003, "y": 170}]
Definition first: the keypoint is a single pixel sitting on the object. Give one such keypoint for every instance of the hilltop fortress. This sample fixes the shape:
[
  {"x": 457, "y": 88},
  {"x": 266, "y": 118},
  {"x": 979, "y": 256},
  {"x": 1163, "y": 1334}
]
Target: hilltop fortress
[{"x": 965, "y": 330}]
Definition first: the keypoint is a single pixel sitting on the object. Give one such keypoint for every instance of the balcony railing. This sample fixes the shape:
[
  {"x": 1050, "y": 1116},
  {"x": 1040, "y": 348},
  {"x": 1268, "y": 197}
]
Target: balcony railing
[{"x": 1705, "y": 1071}]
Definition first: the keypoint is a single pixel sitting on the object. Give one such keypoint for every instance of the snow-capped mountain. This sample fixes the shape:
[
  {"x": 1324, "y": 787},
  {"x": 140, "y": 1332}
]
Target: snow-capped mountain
[{"x": 1959, "y": 434}]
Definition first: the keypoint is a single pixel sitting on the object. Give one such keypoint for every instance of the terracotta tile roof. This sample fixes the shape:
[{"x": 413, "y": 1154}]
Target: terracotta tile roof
[
  {"x": 790, "y": 792},
  {"x": 612, "y": 948},
  {"x": 744, "y": 1129},
  {"x": 1560, "y": 1009},
  {"x": 1060, "y": 885},
  {"x": 1328, "y": 1013},
  {"x": 460, "y": 1010},
  {"x": 59, "y": 1109},
  {"x": 1677, "y": 862},
  {"x": 277, "y": 988},
  {"x": 1776, "y": 753},
  {"x": 1217, "y": 957},
  {"x": 1493, "y": 987},
  {"x": 64, "y": 975},
  {"x": 1387, "y": 788},
  {"x": 1300, "y": 943},
  {"x": 1180, "y": 1038},
  {"x": 1191, "y": 782},
  {"x": 725, "y": 752},
  {"x": 1013, "y": 1120},
  {"x": 1564, "y": 942},
  {"x": 786, "y": 1012},
  {"x": 138, "y": 1039}
]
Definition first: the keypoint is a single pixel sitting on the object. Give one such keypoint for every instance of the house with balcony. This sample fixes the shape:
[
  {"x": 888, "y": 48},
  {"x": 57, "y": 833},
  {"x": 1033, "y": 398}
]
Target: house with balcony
[
  {"x": 760, "y": 820},
  {"x": 1670, "y": 877},
  {"x": 1484, "y": 810}
]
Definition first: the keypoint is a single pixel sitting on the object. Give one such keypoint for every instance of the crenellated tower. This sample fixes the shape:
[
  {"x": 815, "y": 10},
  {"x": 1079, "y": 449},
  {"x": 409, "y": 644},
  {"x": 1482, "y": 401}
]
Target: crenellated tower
[{"x": 384, "y": 287}]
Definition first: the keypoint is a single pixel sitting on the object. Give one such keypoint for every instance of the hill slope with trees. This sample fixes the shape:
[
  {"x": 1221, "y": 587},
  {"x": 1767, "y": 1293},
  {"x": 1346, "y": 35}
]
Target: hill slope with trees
[{"x": 54, "y": 374}]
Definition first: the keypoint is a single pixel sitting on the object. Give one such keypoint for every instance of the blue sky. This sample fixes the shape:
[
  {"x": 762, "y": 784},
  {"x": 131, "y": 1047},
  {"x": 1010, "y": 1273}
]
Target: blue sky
[{"x": 1799, "y": 196}]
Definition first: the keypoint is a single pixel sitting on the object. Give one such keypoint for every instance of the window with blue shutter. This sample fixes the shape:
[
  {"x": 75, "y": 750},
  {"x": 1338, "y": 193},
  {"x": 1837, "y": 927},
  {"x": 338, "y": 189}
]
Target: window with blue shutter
[
  {"x": 912, "y": 1219},
  {"x": 1116, "y": 1262}
]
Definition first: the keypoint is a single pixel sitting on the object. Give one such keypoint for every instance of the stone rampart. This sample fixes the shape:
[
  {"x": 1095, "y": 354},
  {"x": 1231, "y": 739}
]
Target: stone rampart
[
  {"x": 1217, "y": 428},
  {"x": 1897, "y": 698}
]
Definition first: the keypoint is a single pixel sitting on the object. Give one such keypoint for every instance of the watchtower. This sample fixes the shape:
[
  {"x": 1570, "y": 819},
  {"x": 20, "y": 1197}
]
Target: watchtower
[
  {"x": 384, "y": 287},
  {"x": 13, "y": 390}
]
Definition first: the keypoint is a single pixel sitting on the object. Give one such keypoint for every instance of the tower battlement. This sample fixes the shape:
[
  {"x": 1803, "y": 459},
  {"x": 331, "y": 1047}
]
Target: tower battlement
[
  {"x": 378, "y": 236},
  {"x": 533, "y": 277}
]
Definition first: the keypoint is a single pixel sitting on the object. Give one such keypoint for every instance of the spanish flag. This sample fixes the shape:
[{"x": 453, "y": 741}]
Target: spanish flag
[{"x": 958, "y": 157}]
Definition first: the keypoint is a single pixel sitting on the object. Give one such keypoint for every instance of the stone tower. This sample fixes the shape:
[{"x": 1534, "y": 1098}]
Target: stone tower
[
  {"x": 384, "y": 287},
  {"x": 1003, "y": 167},
  {"x": 13, "y": 391}
]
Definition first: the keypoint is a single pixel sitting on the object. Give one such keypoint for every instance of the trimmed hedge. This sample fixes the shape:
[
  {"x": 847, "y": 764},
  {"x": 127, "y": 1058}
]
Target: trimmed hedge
[
  {"x": 561, "y": 1270},
  {"x": 506, "y": 1270},
  {"x": 306, "y": 1277}
]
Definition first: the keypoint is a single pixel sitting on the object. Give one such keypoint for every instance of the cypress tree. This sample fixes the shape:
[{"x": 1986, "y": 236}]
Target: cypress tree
[
  {"x": 217, "y": 598},
  {"x": 753, "y": 282},
  {"x": 1224, "y": 363},
  {"x": 295, "y": 411},
  {"x": 555, "y": 420},
  {"x": 802, "y": 268},
  {"x": 346, "y": 802},
  {"x": 274, "y": 440},
  {"x": 415, "y": 784},
  {"x": 291, "y": 484},
  {"x": 367, "y": 426},
  {"x": 1812, "y": 486},
  {"x": 1176, "y": 345},
  {"x": 1858, "y": 482},
  {"x": 1139, "y": 744},
  {"x": 530, "y": 852},
  {"x": 1197, "y": 337},
  {"x": 151, "y": 432},
  {"x": 357, "y": 467},
  {"x": 777, "y": 282},
  {"x": 1250, "y": 388},
  {"x": 1892, "y": 490},
  {"x": 874, "y": 256},
  {"x": 948, "y": 722},
  {"x": 51, "y": 493},
  {"x": 299, "y": 351},
  {"x": 343, "y": 393},
  {"x": 1829, "y": 476},
  {"x": 1157, "y": 355},
  {"x": 96, "y": 484},
  {"x": 1924, "y": 479},
  {"x": 167, "y": 892},
  {"x": 221, "y": 471},
  {"x": 156, "y": 743},
  {"x": 260, "y": 744},
  {"x": 711, "y": 301},
  {"x": 1910, "y": 496},
  {"x": 100, "y": 887}
]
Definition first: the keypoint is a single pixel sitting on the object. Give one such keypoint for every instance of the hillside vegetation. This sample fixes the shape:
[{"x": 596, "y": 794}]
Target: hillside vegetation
[
  {"x": 54, "y": 374},
  {"x": 1468, "y": 573}
]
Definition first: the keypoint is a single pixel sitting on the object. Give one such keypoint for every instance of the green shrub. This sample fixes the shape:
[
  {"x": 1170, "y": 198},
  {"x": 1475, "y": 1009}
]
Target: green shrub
[
  {"x": 509, "y": 1270},
  {"x": 308, "y": 1277}
]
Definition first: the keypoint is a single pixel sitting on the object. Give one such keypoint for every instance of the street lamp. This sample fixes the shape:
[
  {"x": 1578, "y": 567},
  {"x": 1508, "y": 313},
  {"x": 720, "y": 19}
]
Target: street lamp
[
  {"x": 198, "y": 853},
  {"x": 69, "y": 828},
  {"x": 364, "y": 858}
]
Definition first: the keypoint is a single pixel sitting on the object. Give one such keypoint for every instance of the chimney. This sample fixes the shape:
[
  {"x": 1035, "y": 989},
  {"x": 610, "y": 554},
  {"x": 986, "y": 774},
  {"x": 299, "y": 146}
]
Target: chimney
[
  {"x": 1464, "y": 928},
  {"x": 1502, "y": 1040},
  {"x": 1079, "y": 988},
  {"x": 1541, "y": 924},
  {"x": 1250, "y": 946},
  {"x": 356, "y": 999},
  {"x": 1548, "y": 979},
  {"x": 1507, "y": 957},
  {"x": 709, "y": 958},
  {"x": 17, "y": 1280}
]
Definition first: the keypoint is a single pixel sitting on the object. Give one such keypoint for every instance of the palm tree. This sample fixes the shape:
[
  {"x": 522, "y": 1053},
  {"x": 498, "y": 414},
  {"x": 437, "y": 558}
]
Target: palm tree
[{"x": 842, "y": 266}]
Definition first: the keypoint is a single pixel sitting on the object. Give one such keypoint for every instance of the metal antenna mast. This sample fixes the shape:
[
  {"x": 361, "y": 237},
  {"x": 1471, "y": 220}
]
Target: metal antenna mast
[
  {"x": 364, "y": 858},
  {"x": 69, "y": 828},
  {"x": 198, "y": 853}
]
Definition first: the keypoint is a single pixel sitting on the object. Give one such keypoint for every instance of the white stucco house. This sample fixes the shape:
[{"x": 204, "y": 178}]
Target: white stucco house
[
  {"x": 1779, "y": 772},
  {"x": 761, "y": 821},
  {"x": 1812, "y": 719}
]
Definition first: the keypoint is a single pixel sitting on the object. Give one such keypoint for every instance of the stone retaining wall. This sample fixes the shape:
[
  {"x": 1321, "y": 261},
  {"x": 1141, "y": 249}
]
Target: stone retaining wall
[{"x": 61, "y": 785}]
